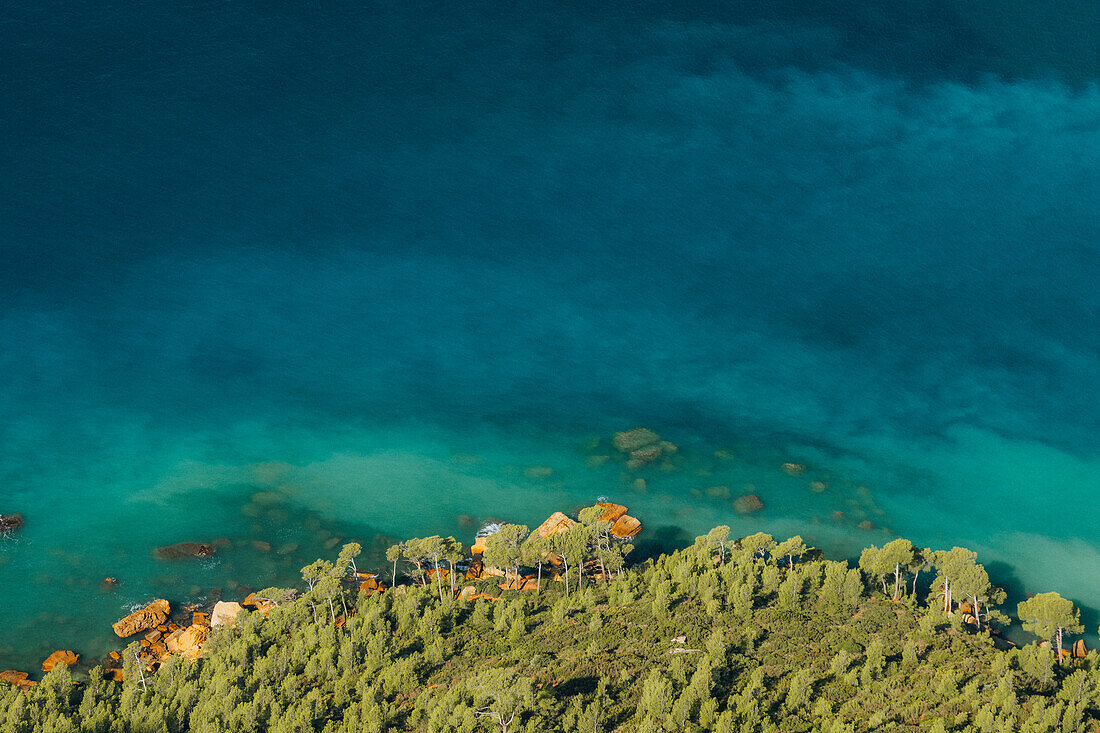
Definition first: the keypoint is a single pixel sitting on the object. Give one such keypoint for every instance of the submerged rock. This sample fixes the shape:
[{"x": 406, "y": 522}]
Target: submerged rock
[
  {"x": 794, "y": 469},
  {"x": 153, "y": 615},
  {"x": 108, "y": 584},
  {"x": 183, "y": 550},
  {"x": 538, "y": 472},
  {"x": 747, "y": 504},
  {"x": 629, "y": 441},
  {"x": 11, "y": 522}
]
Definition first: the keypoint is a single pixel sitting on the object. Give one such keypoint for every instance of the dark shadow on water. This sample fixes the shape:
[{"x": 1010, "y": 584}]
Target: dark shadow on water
[{"x": 658, "y": 541}]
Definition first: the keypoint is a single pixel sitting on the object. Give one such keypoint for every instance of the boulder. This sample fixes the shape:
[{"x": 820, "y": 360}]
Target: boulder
[
  {"x": 626, "y": 526},
  {"x": 186, "y": 642},
  {"x": 183, "y": 550},
  {"x": 11, "y": 522},
  {"x": 611, "y": 512},
  {"x": 794, "y": 469},
  {"x": 114, "y": 675},
  {"x": 263, "y": 605},
  {"x": 629, "y": 441},
  {"x": 1079, "y": 650},
  {"x": 468, "y": 593},
  {"x": 152, "y": 615},
  {"x": 61, "y": 657},
  {"x": 200, "y": 619},
  {"x": 556, "y": 522},
  {"x": 13, "y": 677},
  {"x": 747, "y": 504},
  {"x": 225, "y": 614},
  {"x": 108, "y": 584}
]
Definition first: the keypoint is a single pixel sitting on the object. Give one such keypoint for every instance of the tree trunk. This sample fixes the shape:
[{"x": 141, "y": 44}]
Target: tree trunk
[
  {"x": 332, "y": 609},
  {"x": 916, "y": 574},
  {"x": 977, "y": 611},
  {"x": 452, "y": 576},
  {"x": 393, "y": 580},
  {"x": 897, "y": 579},
  {"x": 566, "y": 563},
  {"x": 1058, "y": 637},
  {"x": 538, "y": 585}
]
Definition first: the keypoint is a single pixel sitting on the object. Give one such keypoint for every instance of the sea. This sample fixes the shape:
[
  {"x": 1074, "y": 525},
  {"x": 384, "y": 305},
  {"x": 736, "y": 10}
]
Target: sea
[{"x": 295, "y": 274}]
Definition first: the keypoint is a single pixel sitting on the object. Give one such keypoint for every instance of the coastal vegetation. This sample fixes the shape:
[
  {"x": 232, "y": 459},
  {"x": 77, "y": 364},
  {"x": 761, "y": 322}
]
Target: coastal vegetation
[{"x": 552, "y": 630}]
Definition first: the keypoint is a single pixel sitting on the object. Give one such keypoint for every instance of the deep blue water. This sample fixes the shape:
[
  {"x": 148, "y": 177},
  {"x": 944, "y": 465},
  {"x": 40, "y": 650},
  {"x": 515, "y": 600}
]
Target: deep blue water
[{"x": 380, "y": 259}]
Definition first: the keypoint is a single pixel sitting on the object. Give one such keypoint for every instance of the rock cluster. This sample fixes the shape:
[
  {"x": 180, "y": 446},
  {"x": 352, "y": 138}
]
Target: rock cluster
[
  {"x": 642, "y": 446},
  {"x": 556, "y": 522}
]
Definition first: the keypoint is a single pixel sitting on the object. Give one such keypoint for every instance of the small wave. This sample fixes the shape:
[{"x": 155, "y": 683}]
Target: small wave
[{"x": 489, "y": 528}]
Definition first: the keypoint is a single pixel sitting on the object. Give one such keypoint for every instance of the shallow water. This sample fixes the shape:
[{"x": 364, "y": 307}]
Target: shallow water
[{"x": 374, "y": 265}]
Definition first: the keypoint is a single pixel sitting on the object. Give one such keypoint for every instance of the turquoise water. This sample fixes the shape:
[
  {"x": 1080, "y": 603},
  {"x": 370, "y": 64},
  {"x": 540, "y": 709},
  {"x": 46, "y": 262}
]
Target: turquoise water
[{"x": 291, "y": 275}]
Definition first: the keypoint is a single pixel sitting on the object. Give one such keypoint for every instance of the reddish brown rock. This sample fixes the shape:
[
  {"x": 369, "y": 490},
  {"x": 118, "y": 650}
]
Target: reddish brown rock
[
  {"x": 108, "y": 584},
  {"x": 13, "y": 677},
  {"x": 263, "y": 605},
  {"x": 115, "y": 675},
  {"x": 626, "y": 526},
  {"x": 59, "y": 657},
  {"x": 149, "y": 617},
  {"x": 200, "y": 619},
  {"x": 556, "y": 522},
  {"x": 186, "y": 642},
  {"x": 747, "y": 504},
  {"x": 611, "y": 512}
]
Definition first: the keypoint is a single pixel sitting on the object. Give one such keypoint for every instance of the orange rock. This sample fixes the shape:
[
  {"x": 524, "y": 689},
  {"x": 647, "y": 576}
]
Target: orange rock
[
  {"x": 468, "y": 593},
  {"x": 13, "y": 677},
  {"x": 187, "y": 642},
  {"x": 115, "y": 675},
  {"x": 1079, "y": 650},
  {"x": 150, "y": 616},
  {"x": 162, "y": 628},
  {"x": 262, "y": 605},
  {"x": 115, "y": 656},
  {"x": 152, "y": 636},
  {"x": 441, "y": 573},
  {"x": 200, "y": 619},
  {"x": 556, "y": 522},
  {"x": 611, "y": 512},
  {"x": 479, "y": 545},
  {"x": 60, "y": 657},
  {"x": 626, "y": 526}
]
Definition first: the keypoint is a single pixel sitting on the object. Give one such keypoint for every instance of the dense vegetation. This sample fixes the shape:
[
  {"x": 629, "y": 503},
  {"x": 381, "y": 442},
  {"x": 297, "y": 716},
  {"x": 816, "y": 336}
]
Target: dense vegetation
[{"x": 728, "y": 636}]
